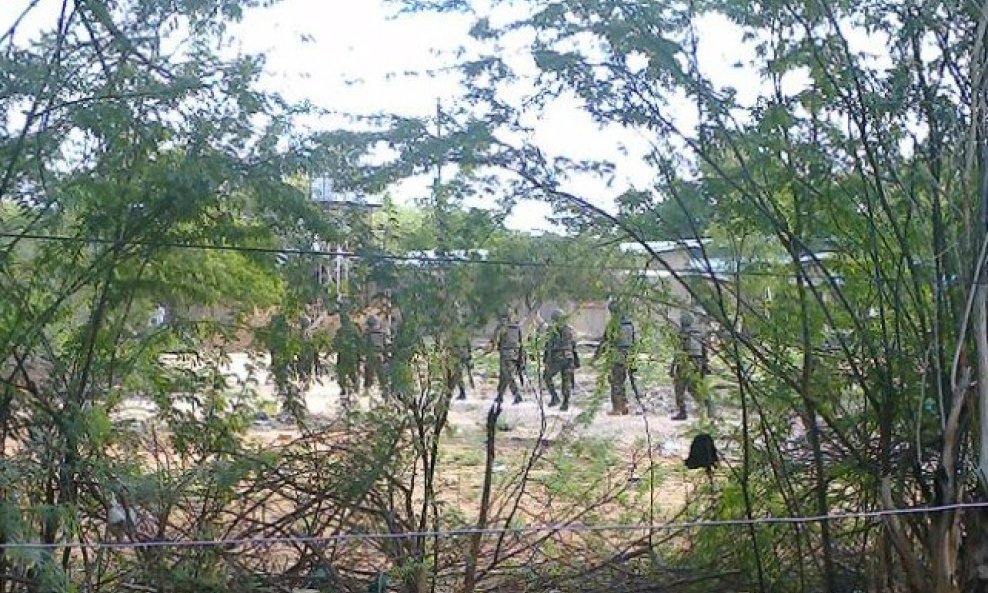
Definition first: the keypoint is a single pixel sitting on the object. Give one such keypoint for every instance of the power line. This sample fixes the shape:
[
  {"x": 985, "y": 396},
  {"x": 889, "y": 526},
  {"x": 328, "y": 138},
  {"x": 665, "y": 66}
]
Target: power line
[
  {"x": 701, "y": 271},
  {"x": 272, "y": 250},
  {"x": 543, "y": 528}
]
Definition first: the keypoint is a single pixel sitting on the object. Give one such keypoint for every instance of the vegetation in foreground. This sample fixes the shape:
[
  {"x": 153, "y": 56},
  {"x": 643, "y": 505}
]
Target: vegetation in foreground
[{"x": 123, "y": 154}]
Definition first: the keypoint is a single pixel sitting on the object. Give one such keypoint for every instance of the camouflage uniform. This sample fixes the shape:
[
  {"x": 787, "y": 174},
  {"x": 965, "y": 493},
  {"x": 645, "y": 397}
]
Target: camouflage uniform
[
  {"x": 689, "y": 367},
  {"x": 374, "y": 356},
  {"x": 620, "y": 339},
  {"x": 346, "y": 343},
  {"x": 560, "y": 358},
  {"x": 509, "y": 348},
  {"x": 462, "y": 363}
]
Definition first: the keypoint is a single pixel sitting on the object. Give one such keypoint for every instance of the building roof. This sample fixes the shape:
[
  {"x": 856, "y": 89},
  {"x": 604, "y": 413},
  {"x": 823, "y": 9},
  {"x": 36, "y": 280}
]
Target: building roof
[
  {"x": 664, "y": 246},
  {"x": 724, "y": 268},
  {"x": 817, "y": 256},
  {"x": 716, "y": 271},
  {"x": 432, "y": 257}
]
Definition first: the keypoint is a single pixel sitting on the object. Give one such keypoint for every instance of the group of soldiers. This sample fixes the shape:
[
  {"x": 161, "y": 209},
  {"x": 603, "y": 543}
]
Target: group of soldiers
[
  {"x": 353, "y": 347},
  {"x": 689, "y": 366},
  {"x": 559, "y": 359}
]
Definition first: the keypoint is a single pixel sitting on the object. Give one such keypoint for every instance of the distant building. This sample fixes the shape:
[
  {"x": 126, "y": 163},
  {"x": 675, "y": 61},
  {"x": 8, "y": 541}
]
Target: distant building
[
  {"x": 673, "y": 264},
  {"x": 432, "y": 258}
]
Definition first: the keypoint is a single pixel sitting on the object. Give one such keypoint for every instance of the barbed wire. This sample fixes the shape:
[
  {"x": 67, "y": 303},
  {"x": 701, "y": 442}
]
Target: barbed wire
[{"x": 465, "y": 532}]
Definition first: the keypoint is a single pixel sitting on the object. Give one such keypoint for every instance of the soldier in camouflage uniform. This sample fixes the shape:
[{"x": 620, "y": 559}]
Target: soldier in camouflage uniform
[
  {"x": 462, "y": 365},
  {"x": 560, "y": 358},
  {"x": 509, "y": 347},
  {"x": 375, "y": 346},
  {"x": 689, "y": 367},
  {"x": 346, "y": 343},
  {"x": 619, "y": 339}
]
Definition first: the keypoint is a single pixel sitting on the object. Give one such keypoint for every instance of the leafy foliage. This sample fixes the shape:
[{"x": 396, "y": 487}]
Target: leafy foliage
[
  {"x": 870, "y": 160},
  {"x": 141, "y": 171},
  {"x": 129, "y": 170}
]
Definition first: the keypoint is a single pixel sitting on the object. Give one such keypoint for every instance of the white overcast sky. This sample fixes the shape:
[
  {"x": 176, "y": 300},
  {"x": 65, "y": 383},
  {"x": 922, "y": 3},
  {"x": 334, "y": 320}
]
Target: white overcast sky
[{"x": 350, "y": 57}]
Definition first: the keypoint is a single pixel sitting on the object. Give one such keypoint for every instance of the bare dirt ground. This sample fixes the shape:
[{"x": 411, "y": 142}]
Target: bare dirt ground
[
  {"x": 587, "y": 416},
  {"x": 518, "y": 428},
  {"x": 461, "y": 478}
]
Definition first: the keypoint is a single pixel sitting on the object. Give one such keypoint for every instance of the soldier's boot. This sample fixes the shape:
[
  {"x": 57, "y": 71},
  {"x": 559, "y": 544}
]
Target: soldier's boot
[
  {"x": 463, "y": 393},
  {"x": 680, "y": 405},
  {"x": 553, "y": 396},
  {"x": 568, "y": 382},
  {"x": 618, "y": 410},
  {"x": 517, "y": 399},
  {"x": 679, "y": 391},
  {"x": 619, "y": 404}
]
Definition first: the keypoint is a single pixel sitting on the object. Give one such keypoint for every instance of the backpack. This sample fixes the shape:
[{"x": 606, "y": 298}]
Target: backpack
[
  {"x": 510, "y": 337},
  {"x": 703, "y": 453},
  {"x": 377, "y": 340},
  {"x": 692, "y": 343},
  {"x": 563, "y": 340},
  {"x": 626, "y": 336}
]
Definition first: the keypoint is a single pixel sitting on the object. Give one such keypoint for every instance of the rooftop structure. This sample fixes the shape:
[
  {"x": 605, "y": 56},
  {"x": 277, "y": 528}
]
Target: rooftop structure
[
  {"x": 661, "y": 247},
  {"x": 432, "y": 257},
  {"x": 324, "y": 192}
]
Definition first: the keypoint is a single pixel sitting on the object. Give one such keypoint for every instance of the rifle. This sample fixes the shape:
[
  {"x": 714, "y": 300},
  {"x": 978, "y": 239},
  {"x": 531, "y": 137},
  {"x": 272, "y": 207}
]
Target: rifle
[
  {"x": 634, "y": 386},
  {"x": 468, "y": 365},
  {"x": 520, "y": 367}
]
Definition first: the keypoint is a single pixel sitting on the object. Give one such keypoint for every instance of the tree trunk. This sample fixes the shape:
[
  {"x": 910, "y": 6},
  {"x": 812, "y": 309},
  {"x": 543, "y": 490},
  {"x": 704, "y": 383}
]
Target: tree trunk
[
  {"x": 470, "y": 577},
  {"x": 981, "y": 339},
  {"x": 975, "y": 548}
]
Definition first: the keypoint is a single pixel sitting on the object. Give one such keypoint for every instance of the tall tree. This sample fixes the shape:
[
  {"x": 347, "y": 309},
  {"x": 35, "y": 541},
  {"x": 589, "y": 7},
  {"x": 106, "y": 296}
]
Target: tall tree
[
  {"x": 138, "y": 169},
  {"x": 876, "y": 157}
]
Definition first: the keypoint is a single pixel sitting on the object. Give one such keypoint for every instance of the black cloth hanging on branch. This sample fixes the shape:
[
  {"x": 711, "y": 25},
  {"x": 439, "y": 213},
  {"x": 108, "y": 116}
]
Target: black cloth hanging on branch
[{"x": 703, "y": 453}]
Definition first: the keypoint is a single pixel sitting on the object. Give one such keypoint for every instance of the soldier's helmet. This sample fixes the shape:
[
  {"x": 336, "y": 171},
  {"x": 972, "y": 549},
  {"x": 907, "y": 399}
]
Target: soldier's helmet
[
  {"x": 685, "y": 319},
  {"x": 504, "y": 315},
  {"x": 372, "y": 320},
  {"x": 557, "y": 314}
]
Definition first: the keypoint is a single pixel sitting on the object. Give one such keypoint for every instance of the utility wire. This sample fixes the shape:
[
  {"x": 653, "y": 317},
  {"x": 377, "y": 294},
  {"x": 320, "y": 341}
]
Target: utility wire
[
  {"x": 702, "y": 270},
  {"x": 276, "y": 250},
  {"x": 564, "y": 528}
]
